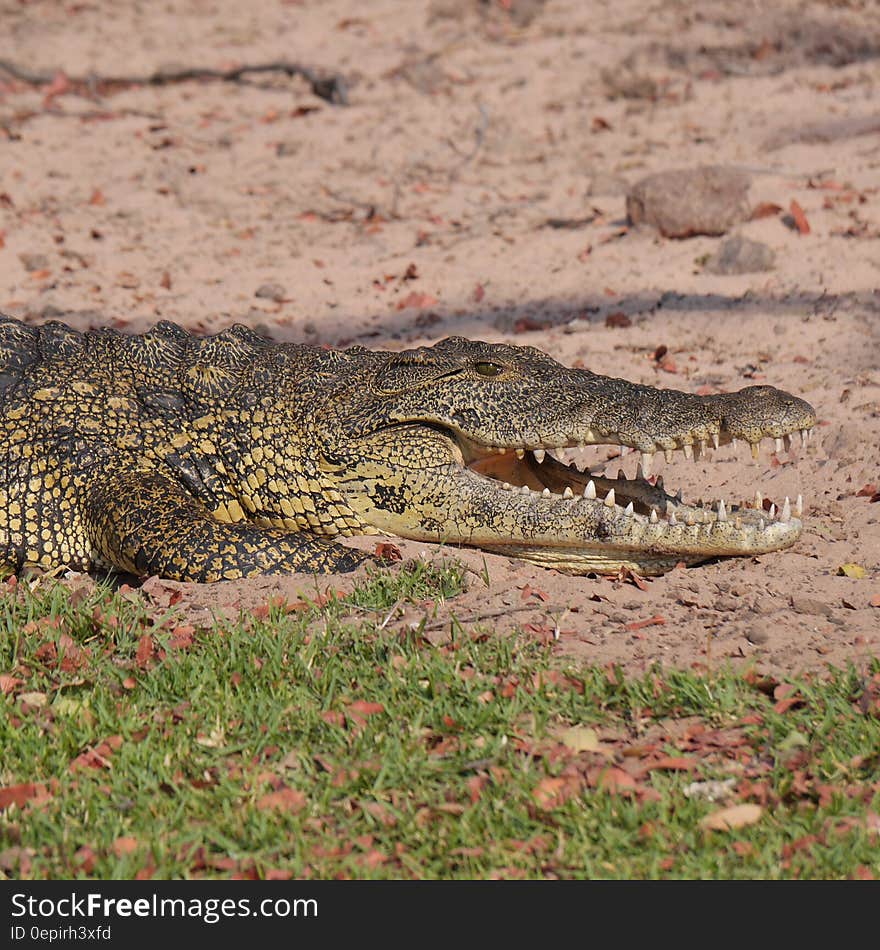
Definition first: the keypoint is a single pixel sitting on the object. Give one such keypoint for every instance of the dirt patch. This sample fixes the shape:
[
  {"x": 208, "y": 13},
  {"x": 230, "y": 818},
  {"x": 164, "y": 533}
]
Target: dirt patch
[{"x": 490, "y": 145}]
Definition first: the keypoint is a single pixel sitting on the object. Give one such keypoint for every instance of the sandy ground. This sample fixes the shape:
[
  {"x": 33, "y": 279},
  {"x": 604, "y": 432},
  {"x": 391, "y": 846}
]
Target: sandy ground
[{"x": 475, "y": 184}]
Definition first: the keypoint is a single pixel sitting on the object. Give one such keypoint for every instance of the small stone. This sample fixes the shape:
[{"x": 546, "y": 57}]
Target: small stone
[
  {"x": 739, "y": 255},
  {"x": 757, "y": 633},
  {"x": 271, "y": 292}
]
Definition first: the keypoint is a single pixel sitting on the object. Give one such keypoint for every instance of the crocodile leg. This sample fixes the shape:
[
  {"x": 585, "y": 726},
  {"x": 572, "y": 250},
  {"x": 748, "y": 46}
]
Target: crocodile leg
[{"x": 142, "y": 521}]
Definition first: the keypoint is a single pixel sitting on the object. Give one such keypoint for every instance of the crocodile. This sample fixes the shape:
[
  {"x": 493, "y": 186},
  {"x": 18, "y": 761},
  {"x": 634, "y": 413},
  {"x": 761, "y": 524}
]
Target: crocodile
[{"x": 226, "y": 456}]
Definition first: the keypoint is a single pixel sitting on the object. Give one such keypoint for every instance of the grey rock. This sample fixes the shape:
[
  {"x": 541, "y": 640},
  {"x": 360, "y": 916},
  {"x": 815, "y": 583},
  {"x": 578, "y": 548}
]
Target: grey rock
[
  {"x": 739, "y": 255},
  {"x": 681, "y": 203},
  {"x": 271, "y": 292}
]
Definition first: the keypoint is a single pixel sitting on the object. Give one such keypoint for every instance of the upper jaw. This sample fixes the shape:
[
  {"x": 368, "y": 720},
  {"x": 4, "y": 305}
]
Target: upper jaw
[{"x": 667, "y": 421}]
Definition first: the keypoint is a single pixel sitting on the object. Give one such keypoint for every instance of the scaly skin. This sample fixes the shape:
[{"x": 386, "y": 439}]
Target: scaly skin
[{"x": 225, "y": 457}]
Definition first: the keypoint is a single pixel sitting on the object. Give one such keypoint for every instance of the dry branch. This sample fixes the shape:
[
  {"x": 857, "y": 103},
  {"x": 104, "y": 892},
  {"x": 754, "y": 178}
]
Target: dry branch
[{"x": 329, "y": 86}]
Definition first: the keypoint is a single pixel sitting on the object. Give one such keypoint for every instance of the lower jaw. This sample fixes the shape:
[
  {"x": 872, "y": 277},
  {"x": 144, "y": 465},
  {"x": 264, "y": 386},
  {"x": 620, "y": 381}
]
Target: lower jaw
[{"x": 581, "y": 562}]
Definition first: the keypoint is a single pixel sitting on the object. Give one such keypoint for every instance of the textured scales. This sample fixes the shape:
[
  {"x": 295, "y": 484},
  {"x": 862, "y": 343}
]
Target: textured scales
[{"x": 228, "y": 456}]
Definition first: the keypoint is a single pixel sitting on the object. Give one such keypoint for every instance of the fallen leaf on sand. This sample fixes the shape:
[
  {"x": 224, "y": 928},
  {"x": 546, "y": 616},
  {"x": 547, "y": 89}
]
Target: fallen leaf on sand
[{"x": 855, "y": 571}]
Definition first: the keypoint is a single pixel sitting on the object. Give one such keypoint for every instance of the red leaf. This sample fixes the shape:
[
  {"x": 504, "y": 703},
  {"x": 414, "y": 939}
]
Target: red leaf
[
  {"x": 526, "y": 324},
  {"x": 616, "y": 780},
  {"x": 97, "y": 197},
  {"x": 478, "y": 294},
  {"x": 875, "y": 600},
  {"x": 867, "y": 491},
  {"x": 145, "y": 651},
  {"x": 8, "y": 683},
  {"x": 366, "y": 708},
  {"x": 58, "y": 87},
  {"x": 671, "y": 763},
  {"x": 417, "y": 301},
  {"x": 551, "y": 792},
  {"x": 617, "y": 319},
  {"x": 388, "y": 551},
  {"x": 765, "y": 210},
  {"x": 19, "y": 794},
  {"x": 124, "y": 845},
  {"x": 785, "y": 704},
  {"x": 285, "y": 799},
  {"x": 800, "y": 219},
  {"x": 656, "y": 620}
]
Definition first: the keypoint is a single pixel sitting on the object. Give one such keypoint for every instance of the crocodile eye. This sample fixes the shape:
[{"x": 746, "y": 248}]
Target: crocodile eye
[{"x": 488, "y": 369}]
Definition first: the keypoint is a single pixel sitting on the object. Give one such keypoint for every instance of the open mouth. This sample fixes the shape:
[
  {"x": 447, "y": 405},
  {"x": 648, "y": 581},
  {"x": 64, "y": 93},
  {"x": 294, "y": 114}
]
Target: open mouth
[{"x": 561, "y": 473}]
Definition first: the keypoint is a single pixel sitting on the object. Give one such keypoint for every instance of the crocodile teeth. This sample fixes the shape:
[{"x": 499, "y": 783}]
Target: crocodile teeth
[
  {"x": 702, "y": 444},
  {"x": 525, "y": 490},
  {"x": 735, "y": 443},
  {"x": 738, "y": 523},
  {"x": 722, "y": 511},
  {"x": 786, "y": 511},
  {"x": 804, "y": 437},
  {"x": 539, "y": 455},
  {"x": 672, "y": 519},
  {"x": 688, "y": 451},
  {"x": 668, "y": 455},
  {"x": 629, "y": 509},
  {"x": 609, "y": 499},
  {"x": 520, "y": 453},
  {"x": 568, "y": 493},
  {"x": 754, "y": 448},
  {"x": 786, "y": 441},
  {"x": 778, "y": 443},
  {"x": 759, "y": 501},
  {"x": 653, "y": 519},
  {"x": 772, "y": 512},
  {"x": 590, "y": 490},
  {"x": 799, "y": 506},
  {"x": 546, "y": 493},
  {"x": 761, "y": 525},
  {"x": 644, "y": 470},
  {"x": 715, "y": 440},
  {"x": 507, "y": 486}
]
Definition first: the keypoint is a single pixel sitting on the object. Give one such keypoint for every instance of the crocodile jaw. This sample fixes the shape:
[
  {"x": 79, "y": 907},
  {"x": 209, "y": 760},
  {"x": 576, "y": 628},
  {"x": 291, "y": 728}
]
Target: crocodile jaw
[{"x": 528, "y": 504}]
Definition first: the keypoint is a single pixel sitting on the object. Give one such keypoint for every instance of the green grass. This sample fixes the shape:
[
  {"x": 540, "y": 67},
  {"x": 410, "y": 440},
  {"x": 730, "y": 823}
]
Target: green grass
[{"x": 334, "y": 740}]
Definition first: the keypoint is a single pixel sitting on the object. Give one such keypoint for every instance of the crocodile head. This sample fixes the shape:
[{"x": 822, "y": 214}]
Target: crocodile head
[{"x": 471, "y": 443}]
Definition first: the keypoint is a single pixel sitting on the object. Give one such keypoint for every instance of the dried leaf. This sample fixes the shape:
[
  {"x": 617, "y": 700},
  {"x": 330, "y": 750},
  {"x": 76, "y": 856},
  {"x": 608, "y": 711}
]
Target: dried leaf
[
  {"x": 417, "y": 301},
  {"x": 388, "y": 551},
  {"x": 735, "y": 816},
  {"x": 581, "y": 739},
  {"x": 8, "y": 683},
  {"x": 285, "y": 799},
  {"x": 366, "y": 708},
  {"x": 19, "y": 794},
  {"x": 765, "y": 210},
  {"x": 553, "y": 791},
  {"x": 124, "y": 845},
  {"x": 618, "y": 319},
  {"x": 800, "y": 219},
  {"x": 855, "y": 571},
  {"x": 656, "y": 620}
]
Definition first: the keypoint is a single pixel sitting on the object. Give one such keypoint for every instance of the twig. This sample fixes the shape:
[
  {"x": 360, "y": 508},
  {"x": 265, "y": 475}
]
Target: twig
[
  {"x": 479, "y": 137},
  {"x": 331, "y": 87}
]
